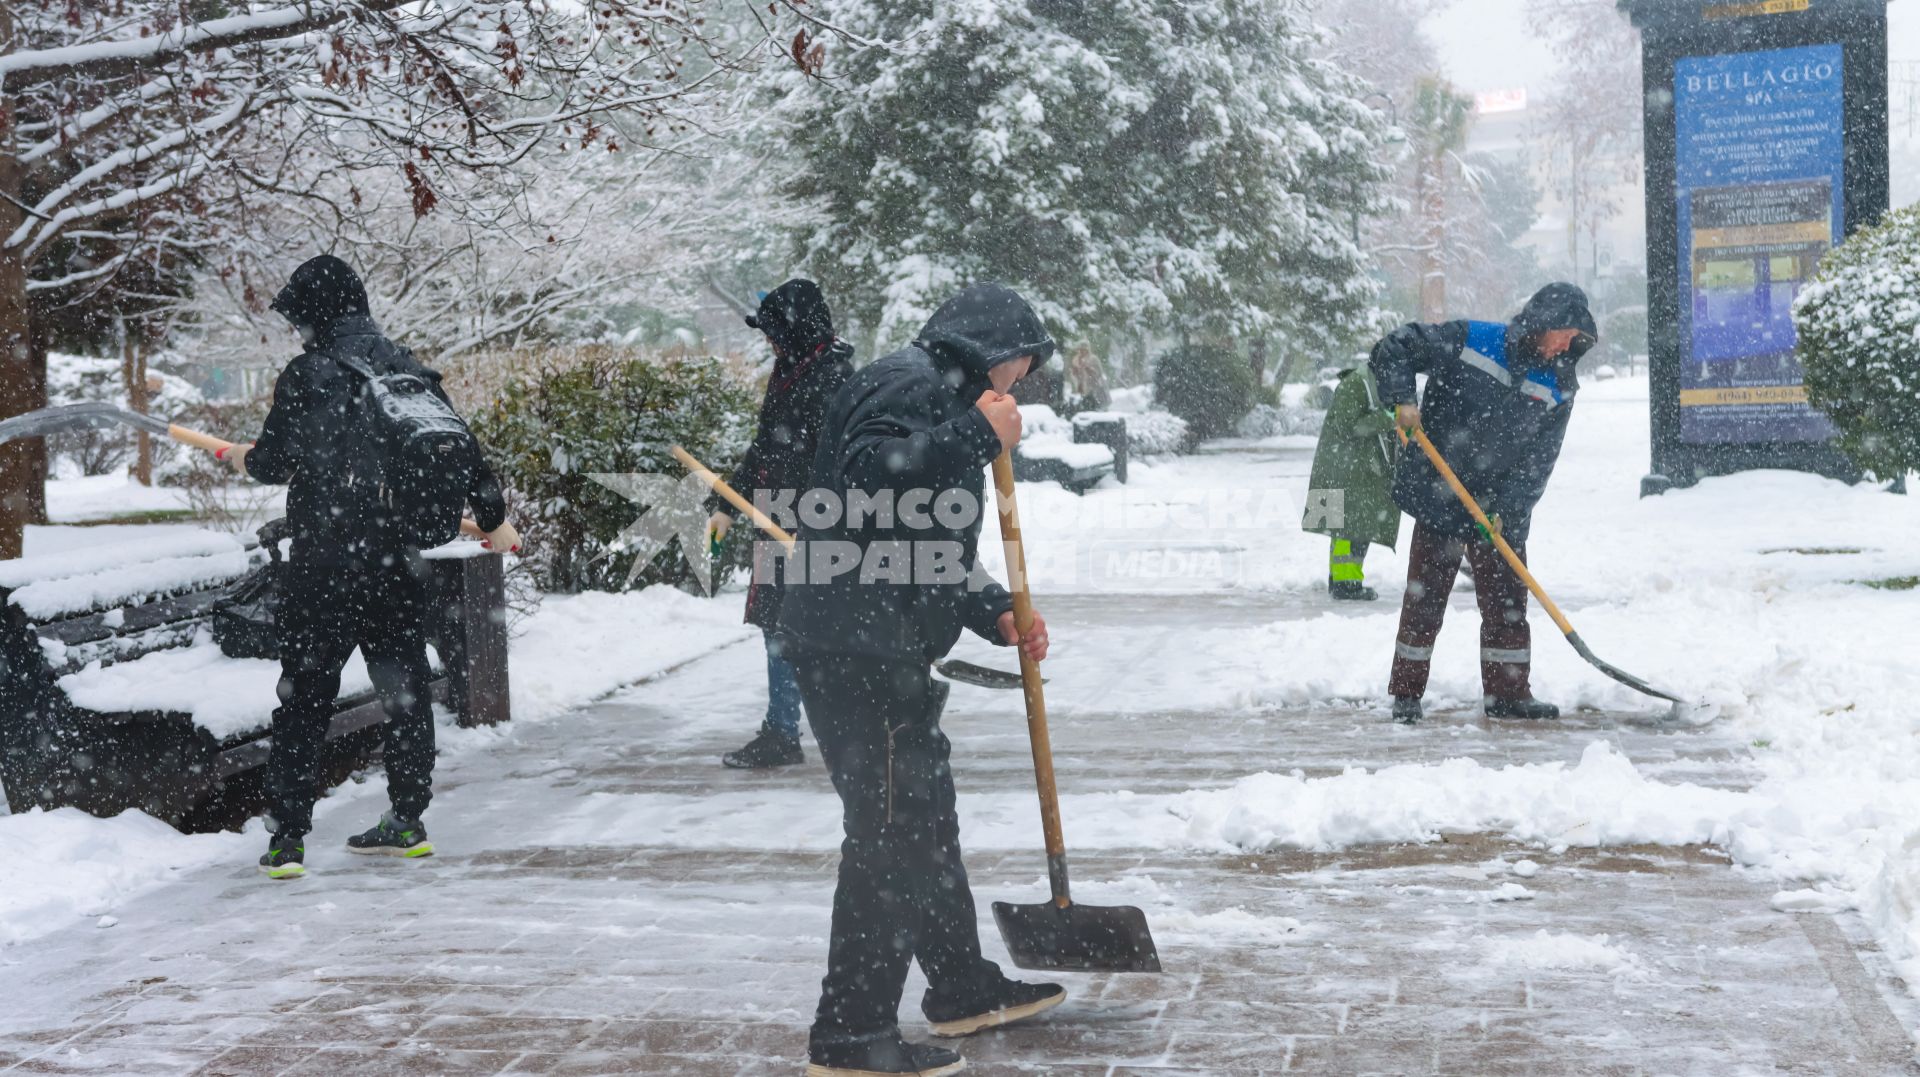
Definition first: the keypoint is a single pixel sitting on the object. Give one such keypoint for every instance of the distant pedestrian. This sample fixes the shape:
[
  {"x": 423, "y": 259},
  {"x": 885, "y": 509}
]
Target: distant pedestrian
[
  {"x": 1350, "y": 496},
  {"x": 354, "y": 577},
  {"x": 913, "y": 432},
  {"x": 1497, "y": 401},
  {"x": 809, "y": 366}
]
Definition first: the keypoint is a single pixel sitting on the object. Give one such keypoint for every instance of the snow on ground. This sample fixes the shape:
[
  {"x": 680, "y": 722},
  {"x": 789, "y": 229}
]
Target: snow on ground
[{"x": 1747, "y": 591}]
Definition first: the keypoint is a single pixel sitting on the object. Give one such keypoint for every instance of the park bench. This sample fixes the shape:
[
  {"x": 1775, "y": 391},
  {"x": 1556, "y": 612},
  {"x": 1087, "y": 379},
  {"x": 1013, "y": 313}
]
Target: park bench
[
  {"x": 1076, "y": 454},
  {"x": 114, "y": 695}
]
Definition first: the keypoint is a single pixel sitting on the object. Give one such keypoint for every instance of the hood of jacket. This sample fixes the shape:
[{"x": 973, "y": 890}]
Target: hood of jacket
[
  {"x": 1557, "y": 306},
  {"x": 322, "y": 291},
  {"x": 795, "y": 317},
  {"x": 980, "y": 328}
]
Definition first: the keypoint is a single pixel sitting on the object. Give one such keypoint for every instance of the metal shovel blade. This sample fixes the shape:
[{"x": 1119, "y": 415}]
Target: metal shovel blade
[
  {"x": 1619, "y": 674},
  {"x": 52, "y": 420},
  {"x": 1080, "y": 938},
  {"x": 955, "y": 669}
]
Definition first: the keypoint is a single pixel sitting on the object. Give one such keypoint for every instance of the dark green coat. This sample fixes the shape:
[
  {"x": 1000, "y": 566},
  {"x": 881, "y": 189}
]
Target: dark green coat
[{"x": 1355, "y": 456}]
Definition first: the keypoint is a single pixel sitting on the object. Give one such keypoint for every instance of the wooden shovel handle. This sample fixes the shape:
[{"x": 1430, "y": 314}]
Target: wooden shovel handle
[
  {"x": 732, "y": 496},
  {"x": 187, "y": 436},
  {"x": 1030, "y": 681},
  {"x": 1499, "y": 541}
]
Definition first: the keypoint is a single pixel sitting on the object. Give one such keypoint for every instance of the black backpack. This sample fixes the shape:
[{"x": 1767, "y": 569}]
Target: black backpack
[{"x": 415, "y": 453}]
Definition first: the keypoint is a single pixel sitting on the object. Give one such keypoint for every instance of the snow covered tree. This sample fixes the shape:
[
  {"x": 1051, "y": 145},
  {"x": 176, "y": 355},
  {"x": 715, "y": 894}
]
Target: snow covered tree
[
  {"x": 1858, "y": 329},
  {"x": 137, "y": 133},
  {"x": 1136, "y": 166}
]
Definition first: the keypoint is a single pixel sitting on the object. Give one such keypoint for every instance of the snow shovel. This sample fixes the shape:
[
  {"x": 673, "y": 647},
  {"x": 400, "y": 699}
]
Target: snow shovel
[
  {"x": 1680, "y": 706},
  {"x": 52, "y": 420},
  {"x": 952, "y": 668},
  {"x": 1057, "y": 934}
]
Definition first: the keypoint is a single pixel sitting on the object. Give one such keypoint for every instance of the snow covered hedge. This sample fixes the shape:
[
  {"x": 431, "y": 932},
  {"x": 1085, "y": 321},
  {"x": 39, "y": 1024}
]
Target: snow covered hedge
[
  {"x": 99, "y": 450},
  {"x": 605, "y": 410},
  {"x": 1211, "y": 387},
  {"x": 1858, "y": 324}
]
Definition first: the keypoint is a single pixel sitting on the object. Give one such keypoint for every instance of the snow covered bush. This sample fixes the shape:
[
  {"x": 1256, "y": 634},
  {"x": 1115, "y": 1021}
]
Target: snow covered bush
[
  {"x": 1156, "y": 433},
  {"x": 1858, "y": 324},
  {"x": 1209, "y": 386},
  {"x": 605, "y": 410}
]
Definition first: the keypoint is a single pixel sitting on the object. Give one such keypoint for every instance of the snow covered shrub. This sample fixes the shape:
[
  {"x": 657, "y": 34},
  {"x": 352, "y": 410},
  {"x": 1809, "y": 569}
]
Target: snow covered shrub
[
  {"x": 1156, "y": 433},
  {"x": 1209, "y": 386},
  {"x": 605, "y": 410},
  {"x": 1858, "y": 324}
]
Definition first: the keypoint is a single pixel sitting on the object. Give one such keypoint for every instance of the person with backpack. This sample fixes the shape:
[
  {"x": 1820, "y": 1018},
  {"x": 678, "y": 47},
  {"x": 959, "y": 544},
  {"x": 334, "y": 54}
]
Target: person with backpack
[
  {"x": 809, "y": 365},
  {"x": 1497, "y": 401},
  {"x": 1350, "y": 496},
  {"x": 891, "y": 583},
  {"x": 378, "y": 466}
]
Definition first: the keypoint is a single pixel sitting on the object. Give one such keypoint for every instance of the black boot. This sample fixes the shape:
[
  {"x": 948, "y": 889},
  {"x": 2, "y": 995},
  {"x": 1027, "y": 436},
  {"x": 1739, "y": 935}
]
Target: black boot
[
  {"x": 1528, "y": 708},
  {"x": 1406, "y": 710},
  {"x": 284, "y": 859},
  {"x": 1003, "y": 1003},
  {"x": 767, "y": 749},
  {"x": 392, "y": 836},
  {"x": 888, "y": 1054},
  {"x": 1351, "y": 591}
]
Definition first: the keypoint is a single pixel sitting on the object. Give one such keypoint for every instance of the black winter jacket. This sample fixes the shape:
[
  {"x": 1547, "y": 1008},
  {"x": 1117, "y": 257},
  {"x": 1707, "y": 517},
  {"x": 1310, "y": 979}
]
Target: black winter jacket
[
  {"x": 781, "y": 456},
  {"x": 908, "y": 422},
  {"x": 305, "y": 445},
  {"x": 1493, "y": 407}
]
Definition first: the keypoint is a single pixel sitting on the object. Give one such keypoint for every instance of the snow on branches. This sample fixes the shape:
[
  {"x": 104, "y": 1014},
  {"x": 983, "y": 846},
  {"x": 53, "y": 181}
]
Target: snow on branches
[{"x": 1137, "y": 167}]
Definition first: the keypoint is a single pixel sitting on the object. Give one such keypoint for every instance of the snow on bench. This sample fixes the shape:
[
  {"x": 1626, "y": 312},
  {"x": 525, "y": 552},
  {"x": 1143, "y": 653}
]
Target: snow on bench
[
  {"x": 1049, "y": 452},
  {"x": 114, "y": 695}
]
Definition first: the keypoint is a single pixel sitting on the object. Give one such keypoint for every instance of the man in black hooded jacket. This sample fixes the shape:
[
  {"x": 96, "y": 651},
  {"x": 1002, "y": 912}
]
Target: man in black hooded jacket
[
  {"x": 349, "y": 583},
  {"x": 809, "y": 367},
  {"x": 890, "y": 581},
  {"x": 1497, "y": 402}
]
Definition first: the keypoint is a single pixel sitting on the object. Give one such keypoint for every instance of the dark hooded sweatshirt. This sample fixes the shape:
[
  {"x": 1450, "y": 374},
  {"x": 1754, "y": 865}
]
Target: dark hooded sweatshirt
[
  {"x": 908, "y": 422},
  {"x": 306, "y": 439},
  {"x": 1494, "y": 407}
]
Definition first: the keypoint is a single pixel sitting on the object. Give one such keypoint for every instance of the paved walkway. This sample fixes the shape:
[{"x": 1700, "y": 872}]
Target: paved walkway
[{"x": 606, "y": 903}]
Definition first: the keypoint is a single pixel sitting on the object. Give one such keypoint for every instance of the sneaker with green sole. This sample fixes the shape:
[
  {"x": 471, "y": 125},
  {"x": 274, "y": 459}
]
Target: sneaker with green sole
[
  {"x": 284, "y": 861},
  {"x": 392, "y": 836}
]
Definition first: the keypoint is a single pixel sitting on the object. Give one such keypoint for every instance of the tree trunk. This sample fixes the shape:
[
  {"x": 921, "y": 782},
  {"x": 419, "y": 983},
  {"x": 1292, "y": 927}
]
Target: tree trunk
[{"x": 17, "y": 381}]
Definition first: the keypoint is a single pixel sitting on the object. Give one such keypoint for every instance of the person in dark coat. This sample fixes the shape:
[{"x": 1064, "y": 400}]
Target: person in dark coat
[
  {"x": 1497, "y": 401},
  {"x": 348, "y": 582},
  {"x": 890, "y": 584},
  {"x": 809, "y": 367}
]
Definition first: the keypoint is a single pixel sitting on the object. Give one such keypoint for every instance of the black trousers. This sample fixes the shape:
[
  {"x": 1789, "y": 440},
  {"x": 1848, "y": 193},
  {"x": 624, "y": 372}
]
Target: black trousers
[
  {"x": 1506, "y": 642},
  {"x": 326, "y": 611},
  {"x": 903, "y": 893}
]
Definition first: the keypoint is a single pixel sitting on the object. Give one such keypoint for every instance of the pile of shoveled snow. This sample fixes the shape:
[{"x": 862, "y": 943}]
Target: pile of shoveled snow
[{"x": 66, "y": 866}]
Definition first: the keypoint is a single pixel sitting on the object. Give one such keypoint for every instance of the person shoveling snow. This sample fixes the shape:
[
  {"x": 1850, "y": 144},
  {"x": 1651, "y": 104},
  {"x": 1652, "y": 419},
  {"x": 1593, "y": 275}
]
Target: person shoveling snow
[{"x": 1497, "y": 402}]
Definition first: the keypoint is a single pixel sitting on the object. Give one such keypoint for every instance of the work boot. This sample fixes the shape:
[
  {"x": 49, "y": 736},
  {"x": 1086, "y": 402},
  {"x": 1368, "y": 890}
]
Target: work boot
[
  {"x": 392, "y": 836},
  {"x": 1528, "y": 708},
  {"x": 888, "y": 1054},
  {"x": 284, "y": 859},
  {"x": 1351, "y": 591},
  {"x": 767, "y": 749},
  {"x": 1406, "y": 709},
  {"x": 1003, "y": 1003}
]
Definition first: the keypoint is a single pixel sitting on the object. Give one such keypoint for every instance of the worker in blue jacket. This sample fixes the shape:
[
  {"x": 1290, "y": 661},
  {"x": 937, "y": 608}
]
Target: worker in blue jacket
[{"x": 1498, "y": 397}]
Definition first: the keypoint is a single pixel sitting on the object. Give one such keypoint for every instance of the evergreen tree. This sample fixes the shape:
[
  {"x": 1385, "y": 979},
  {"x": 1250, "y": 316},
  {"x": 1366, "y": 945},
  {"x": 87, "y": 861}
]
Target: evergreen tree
[{"x": 1135, "y": 166}]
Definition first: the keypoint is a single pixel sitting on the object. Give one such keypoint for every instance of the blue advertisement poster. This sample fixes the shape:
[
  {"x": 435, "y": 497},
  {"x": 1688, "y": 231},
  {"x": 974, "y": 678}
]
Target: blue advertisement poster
[{"x": 1758, "y": 175}]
